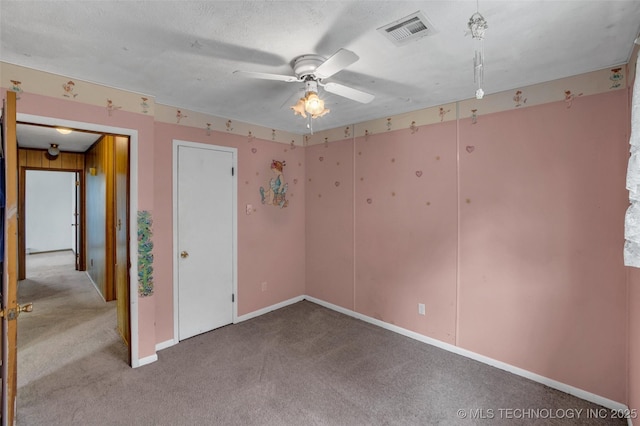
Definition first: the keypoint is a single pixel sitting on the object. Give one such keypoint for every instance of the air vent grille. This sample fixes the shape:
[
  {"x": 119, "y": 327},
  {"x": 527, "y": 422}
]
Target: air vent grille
[{"x": 409, "y": 28}]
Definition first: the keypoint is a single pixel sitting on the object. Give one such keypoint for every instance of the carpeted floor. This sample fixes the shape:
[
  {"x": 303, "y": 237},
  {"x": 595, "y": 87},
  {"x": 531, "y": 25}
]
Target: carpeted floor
[{"x": 300, "y": 365}]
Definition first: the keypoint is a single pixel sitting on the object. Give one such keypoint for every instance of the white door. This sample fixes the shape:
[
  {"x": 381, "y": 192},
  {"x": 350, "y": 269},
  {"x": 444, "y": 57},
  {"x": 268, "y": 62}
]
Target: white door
[{"x": 205, "y": 240}]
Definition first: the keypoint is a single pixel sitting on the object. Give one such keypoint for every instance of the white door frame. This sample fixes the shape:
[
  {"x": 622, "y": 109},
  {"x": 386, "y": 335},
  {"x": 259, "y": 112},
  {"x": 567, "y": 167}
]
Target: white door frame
[
  {"x": 234, "y": 152},
  {"x": 133, "y": 210}
]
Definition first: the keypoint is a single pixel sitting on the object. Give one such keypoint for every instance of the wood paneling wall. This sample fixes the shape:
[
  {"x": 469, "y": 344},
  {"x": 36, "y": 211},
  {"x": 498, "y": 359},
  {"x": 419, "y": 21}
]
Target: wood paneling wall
[
  {"x": 99, "y": 222},
  {"x": 38, "y": 159}
]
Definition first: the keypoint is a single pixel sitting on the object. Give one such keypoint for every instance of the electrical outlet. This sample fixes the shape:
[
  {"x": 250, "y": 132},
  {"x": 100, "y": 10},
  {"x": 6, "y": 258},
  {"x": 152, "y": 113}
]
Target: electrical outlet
[
  {"x": 264, "y": 286},
  {"x": 421, "y": 309}
]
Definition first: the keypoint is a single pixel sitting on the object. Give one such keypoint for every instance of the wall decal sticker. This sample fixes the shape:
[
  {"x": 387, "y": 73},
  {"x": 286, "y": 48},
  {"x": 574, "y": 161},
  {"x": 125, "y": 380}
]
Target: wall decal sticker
[
  {"x": 569, "y": 97},
  {"x": 228, "y": 126},
  {"x": 438, "y": 158},
  {"x": 468, "y": 200},
  {"x": 369, "y": 200},
  {"x": 389, "y": 125},
  {"x": 208, "y": 129},
  {"x": 428, "y": 203},
  {"x": 319, "y": 195},
  {"x": 519, "y": 99},
  {"x": 393, "y": 160},
  {"x": 273, "y": 134},
  {"x": 179, "y": 116},
  {"x": 145, "y": 254},
  {"x": 275, "y": 192},
  {"x": 393, "y": 194},
  {"x": 470, "y": 148},
  {"x": 144, "y": 105},
  {"x": 337, "y": 184},
  {"x": 616, "y": 77},
  {"x": 321, "y": 158},
  {"x": 254, "y": 150},
  {"x": 347, "y": 132},
  {"x": 419, "y": 173},
  {"x": 366, "y": 135},
  {"x": 442, "y": 113},
  {"x": 326, "y": 142},
  {"x": 15, "y": 87},
  {"x": 293, "y": 145},
  {"x": 413, "y": 127},
  {"x": 68, "y": 89},
  {"x": 295, "y": 181},
  {"x": 306, "y": 140},
  {"x": 249, "y": 136},
  {"x": 111, "y": 107},
  {"x": 474, "y": 116},
  {"x": 299, "y": 164}
]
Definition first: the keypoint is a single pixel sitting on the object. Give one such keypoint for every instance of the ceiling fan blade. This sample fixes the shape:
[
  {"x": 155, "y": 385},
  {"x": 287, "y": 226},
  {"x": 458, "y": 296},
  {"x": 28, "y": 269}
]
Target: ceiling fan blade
[
  {"x": 266, "y": 76},
  {"x": 336, "y": 62},
  {"x": 348, "y": 92}
]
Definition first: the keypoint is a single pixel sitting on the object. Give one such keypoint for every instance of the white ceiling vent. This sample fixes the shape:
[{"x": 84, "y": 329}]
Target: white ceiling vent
[{"x": 407, "y": 29}]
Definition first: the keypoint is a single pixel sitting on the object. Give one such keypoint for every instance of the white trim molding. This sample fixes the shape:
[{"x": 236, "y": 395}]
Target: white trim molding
[{"x": 268, "y": 309}]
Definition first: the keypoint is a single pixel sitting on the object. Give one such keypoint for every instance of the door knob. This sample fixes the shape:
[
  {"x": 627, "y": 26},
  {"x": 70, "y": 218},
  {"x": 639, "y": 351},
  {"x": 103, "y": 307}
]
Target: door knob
[
  {"x": 184, "y": 254},
  {"x": 25, "y": 308}
]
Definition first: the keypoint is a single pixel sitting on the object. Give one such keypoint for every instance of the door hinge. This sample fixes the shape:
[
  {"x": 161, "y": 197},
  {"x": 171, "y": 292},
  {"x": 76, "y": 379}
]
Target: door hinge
[
  {"x": 77, "y": 183},
  {"x": 233, "y": 170},
  {"x": 233, "y": 297}
]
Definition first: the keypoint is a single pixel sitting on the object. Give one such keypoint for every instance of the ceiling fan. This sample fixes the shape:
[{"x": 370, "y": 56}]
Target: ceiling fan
[{"x": 312, "y": 70}]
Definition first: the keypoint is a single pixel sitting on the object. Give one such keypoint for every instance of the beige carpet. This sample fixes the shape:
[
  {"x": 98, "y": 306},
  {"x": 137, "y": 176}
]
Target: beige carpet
[
  {"x": 70, "y": 320},
  {"x": 299, "y": 365}
]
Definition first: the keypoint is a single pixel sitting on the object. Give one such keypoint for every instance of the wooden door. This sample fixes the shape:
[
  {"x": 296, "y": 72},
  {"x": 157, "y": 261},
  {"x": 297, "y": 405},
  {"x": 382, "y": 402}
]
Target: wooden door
[
  {"x": 205, "y": 224},
  {"x": 121, "y": 174},
  {"x": 10, "y": 307}
]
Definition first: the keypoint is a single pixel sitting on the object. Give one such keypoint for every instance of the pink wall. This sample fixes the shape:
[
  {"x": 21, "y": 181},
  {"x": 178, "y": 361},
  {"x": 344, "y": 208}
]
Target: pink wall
[
  {"x": 271, "y": 240},
  {"x": 406, "y": 228},
  {"x": 532, "y": 274},
  {"x": 329, "y": 216},
  {"x": 542, "y": 284}
]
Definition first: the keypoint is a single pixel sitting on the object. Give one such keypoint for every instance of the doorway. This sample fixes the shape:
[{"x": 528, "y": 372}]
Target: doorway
[
  {"x": 50, "y": 211},
  {"x": 132, "y": 192},
  {"x": 70, "y": 309},
  {"x": 205, "y": 266}
]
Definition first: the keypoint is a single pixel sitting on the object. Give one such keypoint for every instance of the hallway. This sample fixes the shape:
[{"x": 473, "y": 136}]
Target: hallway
[{"x": 70, "y": 322}]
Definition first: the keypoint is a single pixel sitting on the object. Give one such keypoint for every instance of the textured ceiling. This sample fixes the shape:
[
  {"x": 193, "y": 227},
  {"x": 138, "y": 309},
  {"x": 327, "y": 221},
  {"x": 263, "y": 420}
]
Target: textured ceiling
[{"x": 184, "y": 53}]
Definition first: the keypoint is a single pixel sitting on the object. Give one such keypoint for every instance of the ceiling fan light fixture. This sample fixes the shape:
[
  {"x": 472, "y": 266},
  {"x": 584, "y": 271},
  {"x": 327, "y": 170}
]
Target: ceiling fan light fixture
[
  {"x": 313, "y": 104},
  {"x": 53, "y": 150},
  {"x": 63, "y": 130}
]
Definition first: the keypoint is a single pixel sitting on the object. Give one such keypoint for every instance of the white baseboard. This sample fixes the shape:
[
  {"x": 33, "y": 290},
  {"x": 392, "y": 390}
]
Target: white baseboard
[
  {"x": 580, "y": 393},
  {"x": 268, "y": 309},
  {"x": 94, "y": 284},
  {"x": 166, "y": 344},
  {"x": 146, "y": 360}
]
